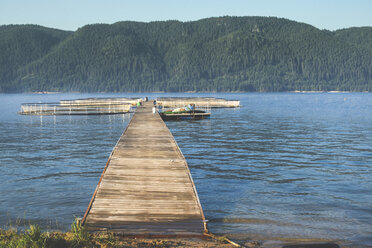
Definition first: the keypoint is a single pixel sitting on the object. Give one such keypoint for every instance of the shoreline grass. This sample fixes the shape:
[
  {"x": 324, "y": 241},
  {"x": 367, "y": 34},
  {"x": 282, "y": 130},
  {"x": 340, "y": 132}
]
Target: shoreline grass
[{"x": 78, "y": 237}]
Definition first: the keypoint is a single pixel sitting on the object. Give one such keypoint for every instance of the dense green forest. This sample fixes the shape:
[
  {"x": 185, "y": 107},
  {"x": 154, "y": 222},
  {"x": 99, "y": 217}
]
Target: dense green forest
[{"x": 214, "y": 54}]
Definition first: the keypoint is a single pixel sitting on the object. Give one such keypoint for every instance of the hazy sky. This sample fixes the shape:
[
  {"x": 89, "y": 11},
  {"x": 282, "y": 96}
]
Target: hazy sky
[{"x": 72, "y": 14}]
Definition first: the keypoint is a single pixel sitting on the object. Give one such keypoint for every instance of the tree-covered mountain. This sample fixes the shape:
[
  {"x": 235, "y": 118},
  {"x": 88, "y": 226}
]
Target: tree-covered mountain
[
  {"x": 214, "y": 54},
  {"x": 21, "y": 45}
]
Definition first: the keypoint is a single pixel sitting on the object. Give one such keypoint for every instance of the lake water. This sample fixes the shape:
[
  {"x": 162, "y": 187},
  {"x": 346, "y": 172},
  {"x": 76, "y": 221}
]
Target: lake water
[{"x": 283, "y": 165}]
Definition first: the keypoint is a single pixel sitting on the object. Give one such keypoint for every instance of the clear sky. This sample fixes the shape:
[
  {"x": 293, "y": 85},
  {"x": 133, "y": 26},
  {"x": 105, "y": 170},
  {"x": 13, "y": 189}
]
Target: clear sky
[{"x": 72, "y": 14}]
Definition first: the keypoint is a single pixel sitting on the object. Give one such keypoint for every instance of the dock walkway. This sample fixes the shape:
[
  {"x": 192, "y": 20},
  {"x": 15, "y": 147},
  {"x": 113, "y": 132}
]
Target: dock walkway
[{"x": 146, "y": 187}]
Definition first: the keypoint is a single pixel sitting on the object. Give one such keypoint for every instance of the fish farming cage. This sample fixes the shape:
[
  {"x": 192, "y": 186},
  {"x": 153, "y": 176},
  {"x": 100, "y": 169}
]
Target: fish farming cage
[
  {"x": 101, "y": 101},
  {"x": 74, "y": 109},
  {"x": 211, "y": 102}
]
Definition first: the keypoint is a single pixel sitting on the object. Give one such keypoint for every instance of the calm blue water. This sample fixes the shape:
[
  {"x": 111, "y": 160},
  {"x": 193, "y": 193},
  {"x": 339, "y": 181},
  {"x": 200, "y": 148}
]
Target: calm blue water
[{"x": 283, "y": 165}]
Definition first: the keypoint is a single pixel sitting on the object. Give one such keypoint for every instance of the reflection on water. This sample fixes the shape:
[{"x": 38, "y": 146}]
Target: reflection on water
[{"x": 283, "y": 165}]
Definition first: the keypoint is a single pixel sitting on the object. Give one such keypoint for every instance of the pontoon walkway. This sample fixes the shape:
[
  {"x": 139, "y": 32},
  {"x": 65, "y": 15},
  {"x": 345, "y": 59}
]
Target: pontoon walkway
[{"x": 146, "y": 187}]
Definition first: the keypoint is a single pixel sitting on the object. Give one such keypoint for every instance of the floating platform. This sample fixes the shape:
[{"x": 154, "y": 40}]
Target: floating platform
[
  {"x": 172, "y": 102},
  {"x": 146, "y": 188},
  {"x": 57, "y": 109},
  {"x": 87, "y": 106},
  {"x": 101, "y": 101}
]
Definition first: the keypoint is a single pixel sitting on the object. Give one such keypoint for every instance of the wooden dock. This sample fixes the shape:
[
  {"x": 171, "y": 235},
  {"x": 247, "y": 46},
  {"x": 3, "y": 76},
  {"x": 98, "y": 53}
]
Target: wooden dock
[{"x": 146, "y": 188}]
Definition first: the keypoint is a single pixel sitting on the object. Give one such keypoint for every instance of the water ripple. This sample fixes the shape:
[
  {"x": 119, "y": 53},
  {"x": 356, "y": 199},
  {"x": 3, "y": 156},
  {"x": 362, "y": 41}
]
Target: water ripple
[{"x": 297, "y": 161}]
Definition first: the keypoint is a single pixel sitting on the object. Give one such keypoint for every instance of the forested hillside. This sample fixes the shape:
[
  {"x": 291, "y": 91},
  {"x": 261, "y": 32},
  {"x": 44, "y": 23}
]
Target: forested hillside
[
  {"x": 21, "y": 45},
  {"x": 215, "y": 54}
]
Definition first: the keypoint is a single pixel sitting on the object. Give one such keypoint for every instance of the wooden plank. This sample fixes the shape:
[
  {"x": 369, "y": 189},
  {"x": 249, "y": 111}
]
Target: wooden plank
[
  {"x": 146, "y": 186},
  {"x": 151, "y": 212},
  {"x": 131, "y": 184},
  {"x": 175, "y": 172},
  {"x": 143, "y": 166},
  {"x": 135, "y": 194},
  {"x": 145, "y": 154},
  {"x": 144, "y": 203},
  {"x": 143, "y": 149},
  {"x": 135, "y": 179},
  {"x": 141, "y": 218},
  {"x": 146, "y": 161}
]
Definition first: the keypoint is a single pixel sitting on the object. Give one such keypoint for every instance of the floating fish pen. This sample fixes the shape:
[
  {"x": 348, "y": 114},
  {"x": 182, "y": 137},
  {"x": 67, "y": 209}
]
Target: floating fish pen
[
  {"x": 211, "y": 102},
  {"x": 101, "y": 101},
  {"x": 74, "y": 109}
]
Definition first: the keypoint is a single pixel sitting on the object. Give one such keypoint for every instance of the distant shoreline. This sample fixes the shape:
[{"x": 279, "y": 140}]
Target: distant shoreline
[{"x": 188, "y": 92}]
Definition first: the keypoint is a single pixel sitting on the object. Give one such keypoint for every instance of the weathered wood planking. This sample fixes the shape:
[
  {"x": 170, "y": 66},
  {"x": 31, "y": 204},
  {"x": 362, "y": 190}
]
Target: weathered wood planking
[{"x": 146, "y": 187}]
